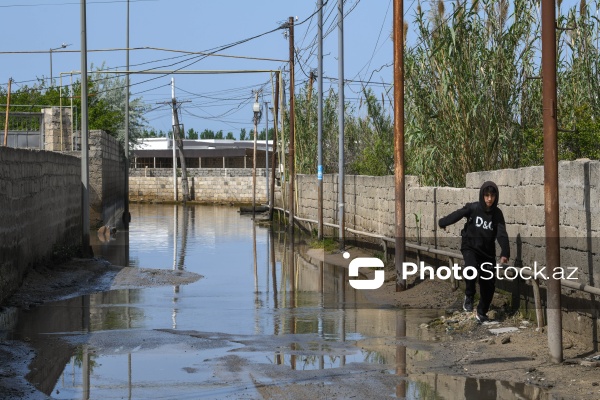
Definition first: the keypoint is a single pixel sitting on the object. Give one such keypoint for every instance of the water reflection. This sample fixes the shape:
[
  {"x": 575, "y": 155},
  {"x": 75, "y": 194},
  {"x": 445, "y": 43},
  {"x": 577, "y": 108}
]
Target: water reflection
[{"x": 262, "y": 298}]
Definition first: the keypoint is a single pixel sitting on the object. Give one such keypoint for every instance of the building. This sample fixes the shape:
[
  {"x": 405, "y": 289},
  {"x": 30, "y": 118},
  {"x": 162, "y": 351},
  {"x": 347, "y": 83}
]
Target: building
[{"x": 202, "y": 153}]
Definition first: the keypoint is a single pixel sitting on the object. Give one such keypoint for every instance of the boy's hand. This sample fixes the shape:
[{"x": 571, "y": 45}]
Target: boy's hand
[{"x": 503, "y": 260}]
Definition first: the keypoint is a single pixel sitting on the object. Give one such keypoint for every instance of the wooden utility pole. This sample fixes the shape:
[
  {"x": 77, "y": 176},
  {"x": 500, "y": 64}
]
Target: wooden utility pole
[
  {"x": 185, "y": 196},
  {"x": 7, "y": 108}
]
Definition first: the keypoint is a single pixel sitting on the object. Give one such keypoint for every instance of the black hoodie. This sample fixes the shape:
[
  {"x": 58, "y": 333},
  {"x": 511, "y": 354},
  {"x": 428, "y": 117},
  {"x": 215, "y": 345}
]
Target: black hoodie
[{"x": 483, "y": 226}]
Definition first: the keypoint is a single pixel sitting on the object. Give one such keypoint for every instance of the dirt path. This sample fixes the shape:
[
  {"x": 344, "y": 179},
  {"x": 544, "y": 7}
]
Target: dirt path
[{"x": 519, "y": 355}]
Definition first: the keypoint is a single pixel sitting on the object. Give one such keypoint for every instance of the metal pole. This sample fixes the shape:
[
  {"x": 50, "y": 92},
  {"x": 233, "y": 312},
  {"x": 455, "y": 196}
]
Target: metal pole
[
  {"x": 254, "y": 159},
  {"x": 320, "y": 126},
  {"x": 274, "y": 158},
  {"x": 551, "y": 179},
  {"x": 7, "y": 113},
  {"x": 341, "y": 161},
  {"x": 126, "y": 217},
  {"x": 51, "y": 68},
  {"x": 399, "y": 141},
  {"x": 85, "y": 175},
  {"x": 267, "y": 148},
  {"x": 292, "y": 122},
  {"x": 173, "y": 136},
  {"x": 71, "y": 118}
]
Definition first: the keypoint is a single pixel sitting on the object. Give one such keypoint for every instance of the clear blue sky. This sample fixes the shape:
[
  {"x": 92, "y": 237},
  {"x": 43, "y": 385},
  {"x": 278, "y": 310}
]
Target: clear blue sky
[{"x": 217, "y": 102}]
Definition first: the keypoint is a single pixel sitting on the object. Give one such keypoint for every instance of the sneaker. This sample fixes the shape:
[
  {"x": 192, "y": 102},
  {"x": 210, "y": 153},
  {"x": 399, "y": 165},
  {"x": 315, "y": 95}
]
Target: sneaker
[
  {"x": 481, "y": 318},
  {"x": 468, "y": 304}
]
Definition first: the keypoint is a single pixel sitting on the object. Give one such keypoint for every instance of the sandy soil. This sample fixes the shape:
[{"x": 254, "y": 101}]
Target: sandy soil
[{"x": 470, "y": 349}]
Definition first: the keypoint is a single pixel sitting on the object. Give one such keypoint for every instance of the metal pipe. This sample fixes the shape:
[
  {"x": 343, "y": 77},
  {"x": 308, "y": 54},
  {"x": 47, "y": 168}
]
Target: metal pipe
[
  {"x": 273, "y": 165},
  {"x": 292, "y": 122},
  {"x": 173, "y": 141},
  {"x": 126, "y": 216},
  {"x": 254, "y": 157},
  {"x": 341, "y": 189},
  {"x": 85, "y": 158},
  {"x": 320, "y": 125},
  {"x": 551, "y": 179},
  {"x": 267, "y": 149},
  {"x": 7, "y": 113},
  {"x": 399, "y": 141}
]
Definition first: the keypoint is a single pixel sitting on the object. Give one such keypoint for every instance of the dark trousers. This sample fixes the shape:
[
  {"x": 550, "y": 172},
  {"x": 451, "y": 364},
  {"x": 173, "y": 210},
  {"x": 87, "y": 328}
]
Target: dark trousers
[{"x": 486, "y": 286}]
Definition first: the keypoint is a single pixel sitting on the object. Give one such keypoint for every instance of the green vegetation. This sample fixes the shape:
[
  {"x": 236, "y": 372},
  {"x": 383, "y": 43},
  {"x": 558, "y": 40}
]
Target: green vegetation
[
  {"x": 106, "y": 103},
  {"x": 327, "y": 244},
  {"x": 473, "y": 97}
]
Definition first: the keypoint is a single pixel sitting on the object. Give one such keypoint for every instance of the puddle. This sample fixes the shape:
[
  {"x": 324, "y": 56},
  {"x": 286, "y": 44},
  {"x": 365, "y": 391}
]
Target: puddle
[{"x": 259, "y": 321}]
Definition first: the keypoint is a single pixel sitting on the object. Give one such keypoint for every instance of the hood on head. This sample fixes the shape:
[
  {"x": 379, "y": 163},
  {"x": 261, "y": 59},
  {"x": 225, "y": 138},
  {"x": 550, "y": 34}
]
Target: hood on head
[{"x": 486, "y": 184}]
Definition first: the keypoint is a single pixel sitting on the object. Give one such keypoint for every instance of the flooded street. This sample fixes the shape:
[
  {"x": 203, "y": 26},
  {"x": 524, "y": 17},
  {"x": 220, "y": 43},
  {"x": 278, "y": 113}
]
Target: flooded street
[{"x": 264, "y": 321}]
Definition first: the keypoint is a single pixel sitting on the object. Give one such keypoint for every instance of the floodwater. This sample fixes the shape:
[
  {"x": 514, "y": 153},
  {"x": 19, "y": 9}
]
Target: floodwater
[{"x": 262, "y": 311}]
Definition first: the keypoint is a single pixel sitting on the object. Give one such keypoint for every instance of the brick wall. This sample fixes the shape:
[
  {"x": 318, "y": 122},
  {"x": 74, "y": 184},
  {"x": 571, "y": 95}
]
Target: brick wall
[{"x": 40, "y": 193}]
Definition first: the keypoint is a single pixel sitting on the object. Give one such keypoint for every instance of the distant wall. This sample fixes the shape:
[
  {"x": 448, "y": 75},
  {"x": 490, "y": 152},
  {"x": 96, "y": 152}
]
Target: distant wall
[
  {"x": 207, "y": 185},
  {"x": 40, "y": 197}
]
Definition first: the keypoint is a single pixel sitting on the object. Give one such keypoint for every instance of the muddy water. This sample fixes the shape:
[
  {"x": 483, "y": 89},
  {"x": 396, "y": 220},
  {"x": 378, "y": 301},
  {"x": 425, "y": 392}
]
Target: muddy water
[{"x": 263, "y": 316}]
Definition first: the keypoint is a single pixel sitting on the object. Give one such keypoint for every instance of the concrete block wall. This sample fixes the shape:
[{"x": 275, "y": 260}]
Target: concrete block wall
[
  {"x": 107, "y": 180},
  {"x": 206, "y": 185},
  {"x": 522, "y": 199},
  {"x": 369, "y": 203},
  {"x": 56, "y": 132},
  {"x": 369, "y": 207},
  {"x": 40, "y": 193}
]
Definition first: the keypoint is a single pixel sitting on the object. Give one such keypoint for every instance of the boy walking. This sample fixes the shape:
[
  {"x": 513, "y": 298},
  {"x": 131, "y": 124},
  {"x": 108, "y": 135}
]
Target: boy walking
[{"x": 485, "y": 224}]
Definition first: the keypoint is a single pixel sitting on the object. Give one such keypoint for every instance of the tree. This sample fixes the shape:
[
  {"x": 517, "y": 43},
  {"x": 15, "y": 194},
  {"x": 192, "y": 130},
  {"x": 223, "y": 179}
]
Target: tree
[
  {"x": 107, "y": 106},
  {"x": 219, "y": 135},
  {"x": 106, "y": 103},
  {"x": 230, "y": 136},
  {"x": 243, "y": 134},
  {"x": 207, "y": 134},
  {"x": 192, "y": 134}
]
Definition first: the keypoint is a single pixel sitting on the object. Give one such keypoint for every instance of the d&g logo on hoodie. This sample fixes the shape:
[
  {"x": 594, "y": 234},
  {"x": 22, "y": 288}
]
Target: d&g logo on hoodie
[{"x": 480, "y": 223}]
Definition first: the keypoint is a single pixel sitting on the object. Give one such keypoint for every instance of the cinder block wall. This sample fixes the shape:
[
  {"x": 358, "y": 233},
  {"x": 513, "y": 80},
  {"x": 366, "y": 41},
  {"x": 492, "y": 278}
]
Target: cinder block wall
[
  {"x": 207, "y": 185},
  {"x": 40, "y": 194},
  {"x": 57, "y": 125},
  {"x": 107, "y": 180},
  {"x": 369, "y": 207}
]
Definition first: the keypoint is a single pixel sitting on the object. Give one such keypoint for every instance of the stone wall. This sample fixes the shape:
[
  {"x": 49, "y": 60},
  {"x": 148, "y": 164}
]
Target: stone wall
[
  {"x": 207, "y": 185},
  {"x": 369, "y": 207},
  {"x": 40, "y": 193}
]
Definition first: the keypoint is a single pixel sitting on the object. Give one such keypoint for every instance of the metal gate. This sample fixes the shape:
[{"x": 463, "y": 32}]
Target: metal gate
[{"x": 25, "y": 130}]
